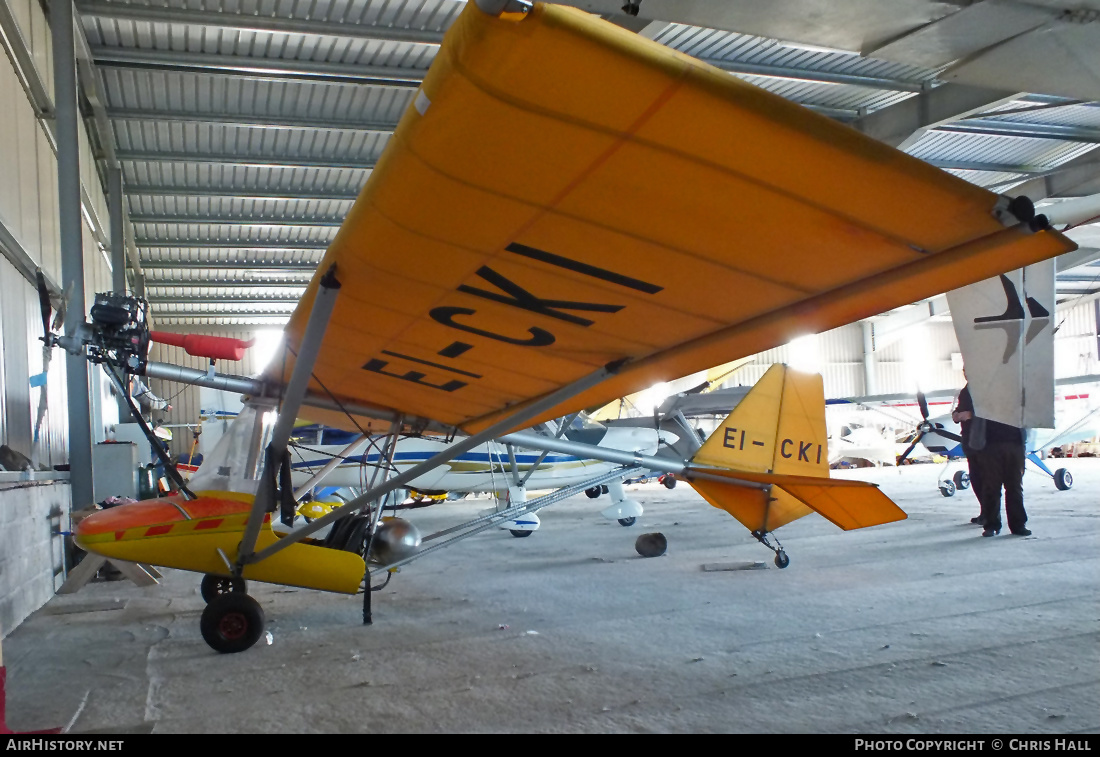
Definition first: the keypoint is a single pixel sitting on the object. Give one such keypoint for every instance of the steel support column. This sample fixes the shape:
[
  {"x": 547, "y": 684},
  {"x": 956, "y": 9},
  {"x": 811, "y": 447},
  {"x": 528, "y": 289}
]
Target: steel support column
[{"x": 72, "y": 246}]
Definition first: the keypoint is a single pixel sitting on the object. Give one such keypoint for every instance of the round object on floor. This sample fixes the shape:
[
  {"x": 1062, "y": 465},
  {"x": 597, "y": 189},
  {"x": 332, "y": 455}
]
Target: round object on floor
[
  {"x": 1062, "y": 479},
  {"x": 627, "y": 522},
  {"x": 651, "y": 545}
]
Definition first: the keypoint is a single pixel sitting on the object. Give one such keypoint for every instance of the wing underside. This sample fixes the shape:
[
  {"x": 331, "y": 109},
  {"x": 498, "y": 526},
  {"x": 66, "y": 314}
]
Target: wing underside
[{"x": 562, "y": 193}]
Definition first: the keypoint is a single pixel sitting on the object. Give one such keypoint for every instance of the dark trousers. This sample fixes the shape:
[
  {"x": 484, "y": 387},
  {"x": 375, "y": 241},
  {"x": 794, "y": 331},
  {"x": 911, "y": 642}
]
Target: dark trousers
[
  {"x": 1001, "y": 465},
  {"x": 975, "y": 473}
]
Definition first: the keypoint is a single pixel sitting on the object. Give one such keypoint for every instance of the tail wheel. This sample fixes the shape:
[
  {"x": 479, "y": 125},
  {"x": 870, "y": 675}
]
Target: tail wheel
[
  {"x": 213, "y": 587},
  {"x": 781, "y": 559},
  {"x": 962, "y": 480},
  {"x": 1062, "y": 479},
  {"x": 947, "y": 488},
  {"x": 627, "y": 521},
  {"x": 232, "y": 623}
]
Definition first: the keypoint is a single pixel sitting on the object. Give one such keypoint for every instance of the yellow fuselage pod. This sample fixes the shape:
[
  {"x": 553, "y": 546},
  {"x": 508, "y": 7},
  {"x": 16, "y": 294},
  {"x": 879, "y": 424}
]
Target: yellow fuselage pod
[{"x": 157, "y": 532}]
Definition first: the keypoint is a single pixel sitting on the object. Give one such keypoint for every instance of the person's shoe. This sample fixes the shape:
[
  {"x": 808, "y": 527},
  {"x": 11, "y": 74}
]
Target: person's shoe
[
  {"x": 976, "y": 521},
  {"x": 991, "y": 532},
  {"x": 1022, "y": 532}
]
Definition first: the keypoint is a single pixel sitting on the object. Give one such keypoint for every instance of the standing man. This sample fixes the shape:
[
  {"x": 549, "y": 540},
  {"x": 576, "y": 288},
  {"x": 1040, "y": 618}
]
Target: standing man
[
  {"x": 963, "y": 414},
  {"x": 999, "y": 454}
]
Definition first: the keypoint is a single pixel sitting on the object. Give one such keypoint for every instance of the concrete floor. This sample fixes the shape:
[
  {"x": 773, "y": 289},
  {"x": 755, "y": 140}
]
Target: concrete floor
[{"x": 914, "y": 627}]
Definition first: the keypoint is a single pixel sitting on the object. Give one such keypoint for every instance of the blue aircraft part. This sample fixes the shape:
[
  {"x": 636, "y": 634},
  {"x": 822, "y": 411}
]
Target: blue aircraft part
[{"x": 1033, "y": 457}]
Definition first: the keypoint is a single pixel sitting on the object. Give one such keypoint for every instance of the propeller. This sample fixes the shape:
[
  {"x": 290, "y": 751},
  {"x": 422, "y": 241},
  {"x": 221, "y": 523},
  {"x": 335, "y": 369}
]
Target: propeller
[{"x": 925, "y": 427}]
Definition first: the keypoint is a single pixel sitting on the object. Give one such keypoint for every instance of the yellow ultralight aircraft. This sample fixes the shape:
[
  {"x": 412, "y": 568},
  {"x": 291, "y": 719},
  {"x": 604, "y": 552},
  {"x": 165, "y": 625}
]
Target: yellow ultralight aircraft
[{"x": 568, "y": 213}]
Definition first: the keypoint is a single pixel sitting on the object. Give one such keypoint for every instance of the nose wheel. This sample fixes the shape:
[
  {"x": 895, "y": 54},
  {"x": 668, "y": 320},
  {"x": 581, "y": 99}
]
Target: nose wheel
[
  {"x": 781, "y": 559},
  {"x": 232, "y": 623}
]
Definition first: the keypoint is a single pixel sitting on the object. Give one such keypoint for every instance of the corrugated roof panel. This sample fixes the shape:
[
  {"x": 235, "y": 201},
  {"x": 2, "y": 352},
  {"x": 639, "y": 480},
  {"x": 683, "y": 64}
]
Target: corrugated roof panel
[
  {"x": 223, "y": 207},
  {"x": 234, "y": 292},
  {"x": 244, "y": 178},
  {"x": 231, "y": 277},
  {"x": 249, "y": 141},
  {"x": 730, "y": 46},
  {"x": 825, "y": 95},
  {"x": 1081, "y": 114},
  {"x": 210, "y": 93},
  {"x": 1031, "y": 152},
  {"x": 167, "y": 233},
  {"x": 198, "y": 38},
  {"x": 214, "y": 256},
  {"x": 998, "y": 181}
]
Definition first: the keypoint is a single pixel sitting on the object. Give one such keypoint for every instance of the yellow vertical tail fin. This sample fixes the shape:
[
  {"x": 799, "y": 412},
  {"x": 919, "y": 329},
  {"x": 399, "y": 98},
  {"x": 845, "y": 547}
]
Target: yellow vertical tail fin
[{"x": 776, "y": 437}]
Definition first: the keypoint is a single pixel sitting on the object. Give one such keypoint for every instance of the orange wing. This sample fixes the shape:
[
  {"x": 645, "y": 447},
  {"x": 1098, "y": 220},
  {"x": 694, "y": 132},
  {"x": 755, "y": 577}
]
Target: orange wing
[{"x": 563, "y": 193}]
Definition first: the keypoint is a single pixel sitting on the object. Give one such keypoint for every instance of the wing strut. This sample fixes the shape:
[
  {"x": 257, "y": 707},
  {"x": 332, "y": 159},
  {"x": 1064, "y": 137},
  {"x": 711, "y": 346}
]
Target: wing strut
[
  {"x": 310, "y": 347},
  {"x": 518, "y": 418}
]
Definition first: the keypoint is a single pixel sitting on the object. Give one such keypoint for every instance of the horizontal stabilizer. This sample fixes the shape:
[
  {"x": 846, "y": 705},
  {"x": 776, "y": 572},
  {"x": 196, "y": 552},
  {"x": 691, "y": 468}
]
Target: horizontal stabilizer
[{"x": 847, "y": 504}]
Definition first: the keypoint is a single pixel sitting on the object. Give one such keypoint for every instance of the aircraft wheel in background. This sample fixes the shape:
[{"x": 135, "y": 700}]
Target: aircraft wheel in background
[
  {"x": 627, "y": 521},
  {"x": 781, "y": 559},
  {"x": 593, "y": 492},
  {"x": 1063, "y": 479},
  {"x": 962, "y": 480},
  {"x": 232, "y": 623},
  {"x": 520, "y": 534},
  {"x": 669, "y": 482},
  {"x": 947, "y": 489},
  {"x": 213, "y": 587}
]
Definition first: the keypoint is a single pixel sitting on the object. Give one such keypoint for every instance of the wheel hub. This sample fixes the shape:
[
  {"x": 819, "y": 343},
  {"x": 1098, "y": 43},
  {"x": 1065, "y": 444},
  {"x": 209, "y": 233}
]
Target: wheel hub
[{"x": 233, "y": 625}]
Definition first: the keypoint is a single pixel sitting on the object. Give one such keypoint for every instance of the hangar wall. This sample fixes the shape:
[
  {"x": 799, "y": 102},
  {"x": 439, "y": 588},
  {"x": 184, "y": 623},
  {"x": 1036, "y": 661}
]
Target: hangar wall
[{"x": 33, "y": 513}]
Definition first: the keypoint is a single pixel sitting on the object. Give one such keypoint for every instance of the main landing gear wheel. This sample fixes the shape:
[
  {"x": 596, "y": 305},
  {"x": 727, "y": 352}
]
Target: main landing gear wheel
[
  {"x": 627, "y": 521},
  {"x": 947, "y": 489},
  {"x": 962, "y": 480},
  {"x": 781, "y": 559},
  {"x": 593, "y": 492},
  {"x": 232, "y": 623},
  {"x": 519, "y": 534},
  {"x": 1062, "y": 479},
  {"x": 213, "y": 587}
]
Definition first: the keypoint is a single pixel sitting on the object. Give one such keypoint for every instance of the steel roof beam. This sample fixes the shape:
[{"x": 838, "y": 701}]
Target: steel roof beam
[
  {"x": 272, "y": 121},
  {"x": 218, "y": 301},
  {"x": 902, "y": 124},
  {"x": 270, "y": 24},
  {"x": 281, "y": 161},
  {"x": 972, "y": 165},
  {"x": 240, "y": 193},
  {"x": 262, "y": 68},
  {"x": 200, "y": 283},
  {"x": 280, "y": 267},
  {"x": 333, "y": 223},
  {"x": 772, "y": 71},
  {"x": 1067, "y": 179},
  {"x": 231, "y": 244},
  {"x": 1000, "y": 128}
]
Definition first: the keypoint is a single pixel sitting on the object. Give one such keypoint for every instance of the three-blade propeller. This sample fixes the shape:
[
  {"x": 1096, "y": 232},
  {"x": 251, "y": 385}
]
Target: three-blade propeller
[{"x": 925, "y": 427}]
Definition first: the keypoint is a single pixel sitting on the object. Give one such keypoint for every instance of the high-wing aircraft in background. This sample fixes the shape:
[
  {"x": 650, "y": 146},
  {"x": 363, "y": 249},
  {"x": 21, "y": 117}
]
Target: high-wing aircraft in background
[{"x": 568, "y": 213}]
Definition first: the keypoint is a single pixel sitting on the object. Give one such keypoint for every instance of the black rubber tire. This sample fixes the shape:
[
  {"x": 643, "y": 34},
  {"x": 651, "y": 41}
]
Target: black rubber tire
[
  {"x": 213, "y": 587},
  {"x": 962, "y": 480},
  {"x": 947, "y": 488},
  {"x": 669, "y": 482},
  {"x": 232, "y": 623},
  {"x": 627, "y": 522},
  {"x": 651, "y": 545},
  {"x": 1063, "y": 479},
  {"x": 593, "y": 492},
  {"x": 520, "y": 534},
  {"x": 781, "y": 560},
  {"x": 603, "y": 488}
]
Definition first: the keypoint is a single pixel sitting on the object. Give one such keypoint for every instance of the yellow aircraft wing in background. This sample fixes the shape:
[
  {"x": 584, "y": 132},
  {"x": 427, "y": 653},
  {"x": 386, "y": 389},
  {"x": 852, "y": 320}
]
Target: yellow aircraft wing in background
[{"x": 563, "y": 193}]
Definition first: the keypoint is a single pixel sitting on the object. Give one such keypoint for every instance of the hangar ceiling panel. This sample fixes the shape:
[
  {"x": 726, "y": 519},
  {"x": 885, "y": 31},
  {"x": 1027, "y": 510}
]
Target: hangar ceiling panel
[{"x": 245, "y": 128}]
